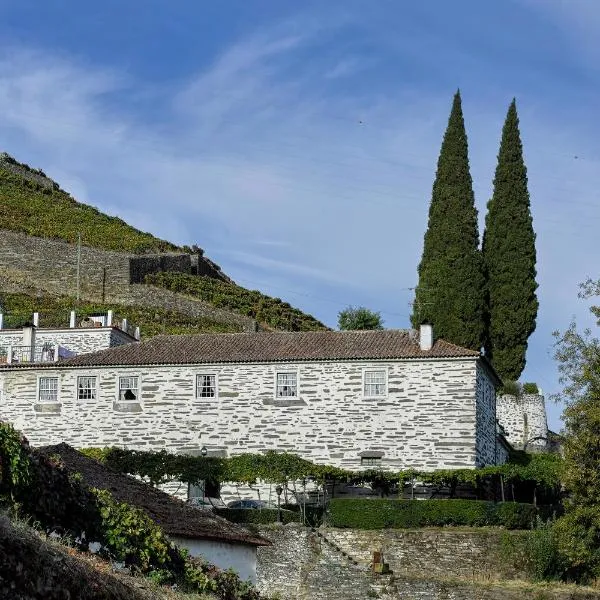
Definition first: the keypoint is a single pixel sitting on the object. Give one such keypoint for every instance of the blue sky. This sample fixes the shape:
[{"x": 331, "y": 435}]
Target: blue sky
[{"x": 297, "y": 142}]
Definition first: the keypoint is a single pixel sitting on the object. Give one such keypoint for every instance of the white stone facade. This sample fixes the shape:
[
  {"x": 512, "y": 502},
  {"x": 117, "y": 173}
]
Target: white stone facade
[
  {"x": 435, "y": 413},
  {"x": 78, "y": 340},
  {"x": 524, "y": 420}
]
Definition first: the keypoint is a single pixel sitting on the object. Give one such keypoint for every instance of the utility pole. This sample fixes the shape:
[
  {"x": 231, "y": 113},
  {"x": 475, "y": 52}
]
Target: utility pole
[{"x": 78, "y": 262}]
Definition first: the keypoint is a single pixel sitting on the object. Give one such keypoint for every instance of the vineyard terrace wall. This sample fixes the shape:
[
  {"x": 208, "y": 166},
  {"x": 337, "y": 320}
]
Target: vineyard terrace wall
[
  {"x": 104, "y": 276},
  {"x": 435, "y": 414}
]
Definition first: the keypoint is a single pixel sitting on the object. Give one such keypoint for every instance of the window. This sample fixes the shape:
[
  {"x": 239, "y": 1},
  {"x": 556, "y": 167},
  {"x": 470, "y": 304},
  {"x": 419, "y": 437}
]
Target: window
[
  {"x": 206, "y": 386},
  {"x": 370, "y": 461},
  {"x": 374, "y": 384},
  {"x": 86, "y": 388},
  {"x": 287, "y": 385},
  {"x": 128, "y": 388},
  {"x": 48, "y": 389}
]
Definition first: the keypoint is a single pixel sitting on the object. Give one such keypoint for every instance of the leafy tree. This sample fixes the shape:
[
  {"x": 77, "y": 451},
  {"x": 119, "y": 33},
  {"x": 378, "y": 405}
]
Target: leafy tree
[
  {"x": 450, "y": 291},
  {"x": 579, "y": 366},
  {"x": 359, "y": 318},
  {"x": 509, "y": 258}
]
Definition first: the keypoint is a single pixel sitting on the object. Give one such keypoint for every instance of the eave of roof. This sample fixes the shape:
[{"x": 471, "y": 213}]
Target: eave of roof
[
  {"x": 176, "y": 518},
  {"x": 266, "y": 348}
]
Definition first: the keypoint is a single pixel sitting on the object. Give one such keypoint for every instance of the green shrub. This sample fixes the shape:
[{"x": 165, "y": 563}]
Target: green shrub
[
  {"x": 229, "y": 296},
  {"x": 264, "y": 515},
  {"x": 530, "y": 388},
  {"x": 361, "y": 513},
  {"x": 511, "y": 388}
]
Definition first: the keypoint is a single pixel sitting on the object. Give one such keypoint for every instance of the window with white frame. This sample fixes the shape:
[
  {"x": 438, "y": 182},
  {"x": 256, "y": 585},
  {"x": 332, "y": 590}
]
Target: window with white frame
[
  {"x": 129, "y": 387},
  {"x": 375, "y": 383},
  {"x": 287, "y": 385},
  {"x": 206, "y": 385},
  {"x": 48, "y": 389},
  {"x": 86, "y": 388}
]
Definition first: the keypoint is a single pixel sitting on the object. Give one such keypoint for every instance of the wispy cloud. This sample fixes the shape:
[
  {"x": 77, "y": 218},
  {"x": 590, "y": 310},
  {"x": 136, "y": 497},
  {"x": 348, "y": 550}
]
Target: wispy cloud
[{"x": 287, "y": 180}]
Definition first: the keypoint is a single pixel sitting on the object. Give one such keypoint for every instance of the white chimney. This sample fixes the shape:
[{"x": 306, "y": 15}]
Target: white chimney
[
  {"x": 426, "y": 336},
  {"x": 29, "y": 339}
]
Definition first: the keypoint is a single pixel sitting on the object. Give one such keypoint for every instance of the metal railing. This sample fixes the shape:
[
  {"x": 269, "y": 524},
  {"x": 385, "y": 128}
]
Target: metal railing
[{"x": 27, "y": 354}]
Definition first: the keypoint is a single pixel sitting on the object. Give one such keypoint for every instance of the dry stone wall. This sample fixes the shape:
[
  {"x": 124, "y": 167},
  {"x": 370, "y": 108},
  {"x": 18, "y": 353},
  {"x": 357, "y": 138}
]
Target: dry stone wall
[
  {"x": 449, "y": 564},
  {"x": 524, "y": 420},
  {"x": 50, "y": 266}
]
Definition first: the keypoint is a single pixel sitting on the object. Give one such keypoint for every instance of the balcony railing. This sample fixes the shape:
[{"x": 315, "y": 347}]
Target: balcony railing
[{"x": 29, "y": 354}]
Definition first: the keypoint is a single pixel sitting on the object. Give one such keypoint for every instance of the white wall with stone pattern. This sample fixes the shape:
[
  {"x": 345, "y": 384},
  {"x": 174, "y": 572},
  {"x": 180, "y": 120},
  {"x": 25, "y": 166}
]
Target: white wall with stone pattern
[
  {"x": 79, "y": 340},
  {"x": 239, "y": 557},
  {"x": 523, "y": 419},
  {"x": 436, "y": 414}
]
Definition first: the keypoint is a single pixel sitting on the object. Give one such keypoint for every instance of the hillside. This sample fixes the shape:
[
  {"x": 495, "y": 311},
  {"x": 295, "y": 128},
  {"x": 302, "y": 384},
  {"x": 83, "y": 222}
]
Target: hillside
[
  {"x": 42, "y": 209},
  {"x": 33, "y": 567},
  {"x": 55, "y": 309},
  {"x": 33, "y": 204}
]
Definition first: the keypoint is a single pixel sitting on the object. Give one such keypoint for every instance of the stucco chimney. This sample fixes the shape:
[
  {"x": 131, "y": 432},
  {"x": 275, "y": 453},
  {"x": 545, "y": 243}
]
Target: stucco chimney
[
  {"x": 426, "y": 336},
  {"x": 29, "y": 339}
]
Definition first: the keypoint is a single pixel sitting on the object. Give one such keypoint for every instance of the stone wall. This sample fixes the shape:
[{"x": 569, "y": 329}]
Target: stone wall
[
  {"x": 50, "y": 266},
  {"x": 523, "y": 419},
  {"x": 448, "y": 564},
  {"x": 427, "y": 419}
]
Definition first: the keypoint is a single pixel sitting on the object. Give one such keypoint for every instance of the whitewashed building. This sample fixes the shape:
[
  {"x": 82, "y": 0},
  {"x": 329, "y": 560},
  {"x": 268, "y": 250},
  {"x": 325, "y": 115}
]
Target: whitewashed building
[{"x": 390, "y": 399}]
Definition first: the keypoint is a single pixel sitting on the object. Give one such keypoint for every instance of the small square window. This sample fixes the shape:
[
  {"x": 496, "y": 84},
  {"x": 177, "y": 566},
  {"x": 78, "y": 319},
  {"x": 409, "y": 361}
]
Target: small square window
[
  {"x": 206, "y": 386},
  {"x": 287, "y": 385},
  {"x": 86, "y": 388},
  {"x": 374, "y": 384},
  {"x": 48, "y": 389},
  {"x": 129, "y": 388}
]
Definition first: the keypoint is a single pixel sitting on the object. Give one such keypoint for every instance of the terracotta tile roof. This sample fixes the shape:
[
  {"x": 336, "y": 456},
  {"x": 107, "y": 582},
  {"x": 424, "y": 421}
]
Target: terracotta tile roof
[
  {"x": 175, "y": 516},
  {"x": 269, "y": 347}
]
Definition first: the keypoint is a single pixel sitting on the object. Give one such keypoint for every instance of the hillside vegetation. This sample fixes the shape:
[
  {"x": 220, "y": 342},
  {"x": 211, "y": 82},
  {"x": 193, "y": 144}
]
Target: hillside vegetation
[
  {"x": 272, "y": 312},
  {"x": 34, "y": 204},
  {"x": 49, "y": 212},
  {"x": 54, "y": 312}
]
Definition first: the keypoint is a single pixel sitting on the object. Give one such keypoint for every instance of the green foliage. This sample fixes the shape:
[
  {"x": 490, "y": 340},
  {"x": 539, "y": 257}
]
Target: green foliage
[
  {"x": 540, "y": 470},
  {"x": 45, "y": 491},
  {"x": 406, "y": 514},
  {"x": 30, "y": 208},
  {"x": 450, "y": 291},
  {"x": 54, "y": 312},
  {"x": 14, "y": 460},
  {"x": 132, "y": 536},
  {"x": 263, "y": 515},
  {"x": 537, "y": 550},
  {"x": 578, "y": 531},
  {"x": 360, "y": 317},
  {"x": 509, "y": 257},
  {"x": 530, "y": 388},
  {"x": 512, "y": 388},
  {"x": 270, "y": 311}
]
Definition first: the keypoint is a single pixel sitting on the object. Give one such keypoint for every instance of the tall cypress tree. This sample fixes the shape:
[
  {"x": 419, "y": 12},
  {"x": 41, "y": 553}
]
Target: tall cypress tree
[
  {"x": 450, "y": 292},
  {"x": 509, "y": 258}
]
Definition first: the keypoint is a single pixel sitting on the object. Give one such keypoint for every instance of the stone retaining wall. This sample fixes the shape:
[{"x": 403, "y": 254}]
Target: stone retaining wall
[
  {"x": 430, "y": 564},
  {"x": 50, "y": 266}
]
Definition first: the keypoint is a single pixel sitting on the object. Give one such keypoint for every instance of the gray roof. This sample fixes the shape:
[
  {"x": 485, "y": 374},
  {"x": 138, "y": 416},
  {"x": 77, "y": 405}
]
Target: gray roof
[
  {"x": 270, "y": 347},
  {"x": 176, "y": 518}
]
